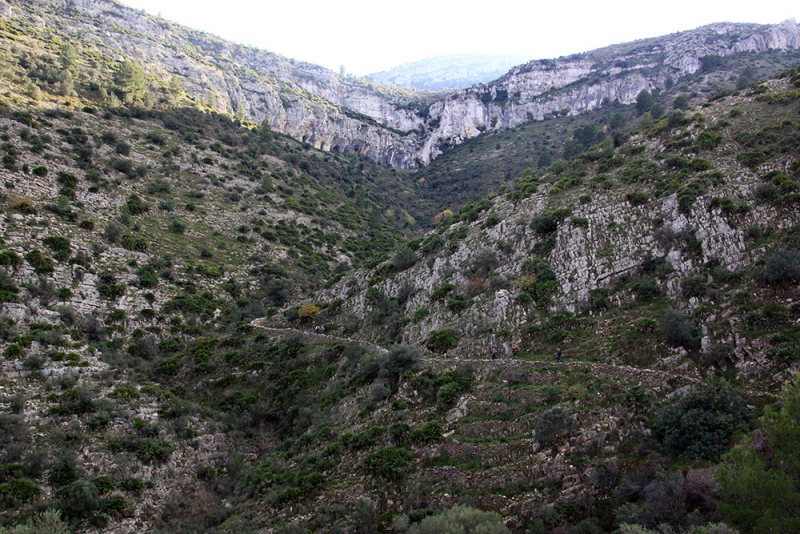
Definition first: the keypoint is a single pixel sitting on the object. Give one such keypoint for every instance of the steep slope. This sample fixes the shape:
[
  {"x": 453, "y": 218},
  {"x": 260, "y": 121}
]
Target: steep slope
[
  {"x": 685, "y": 210},
  {"x": 163, "y": 269},
  {"x": 305, "y": 101}
]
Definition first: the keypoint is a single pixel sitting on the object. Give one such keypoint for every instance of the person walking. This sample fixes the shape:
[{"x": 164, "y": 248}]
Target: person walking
[
  {"x": 558, "y": 355},
  {"x": 494, "y": 352},
  {"x": 514, "y": 350}
]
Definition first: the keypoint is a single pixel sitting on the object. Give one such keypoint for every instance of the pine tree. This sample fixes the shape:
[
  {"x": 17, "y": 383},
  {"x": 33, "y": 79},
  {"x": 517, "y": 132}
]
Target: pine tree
[
  {"x": 129, "y": 77},
  {"x": 175, "y": 87}
]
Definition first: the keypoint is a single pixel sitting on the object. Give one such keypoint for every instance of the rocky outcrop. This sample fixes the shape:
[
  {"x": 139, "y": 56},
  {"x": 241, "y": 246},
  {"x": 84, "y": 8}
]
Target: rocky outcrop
[{"x": 577, "y": 84}]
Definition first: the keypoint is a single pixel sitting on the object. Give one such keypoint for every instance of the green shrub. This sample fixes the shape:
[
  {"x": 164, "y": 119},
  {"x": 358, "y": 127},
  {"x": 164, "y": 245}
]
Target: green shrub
[
  {"x": 678, "y": 331},
  {"x": 404, "y": 258},
  {"x": 136, "y": 206},
  {"x": 782, "y": 267},
  {"x": 442, "y": 291},
  {"x": 9, "y": 258},
  {"x": 645, "y": 290},
  {"x": 80, "y": 499},
  {"x": 752, "y": 158},
  {"x": 41, "y": 263},
  {"x": 457, "y": 303},
  {"x": 59, "y": 245},
  {"x": 41, "y": 170},
  {"x": 554, "y": 425},
  {"x": 13, "y": 352},
  {"x": 48, "y": 522},
  {"x": 430, "y": 432},
  {"x": 637, "y": 198},
  {"x": 390, "y": 463},
  {"x": 177, "y": 226},
  {"x": 700, "y": 424},
  {"x": 107, "y": 286},
  {"x": 137, "y": 244},
  {"x": 19, "y": 491},
  {"x": 401, "y": 358},
  {"x": 461, "y": 520},
  {"x": 441, "y": 341},
  {"x": 758, "y": 478}
]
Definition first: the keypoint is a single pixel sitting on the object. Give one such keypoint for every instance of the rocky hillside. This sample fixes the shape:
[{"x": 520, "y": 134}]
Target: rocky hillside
[
  {"x": 167, "y": 270},
  {"x": 344, "y": 114},
  {"x": 692, "y": 210},
  {"x": 448, "y": 72}
]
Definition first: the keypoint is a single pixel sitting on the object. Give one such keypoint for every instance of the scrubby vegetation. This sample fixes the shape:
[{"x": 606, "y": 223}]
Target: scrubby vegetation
[{"x": 208, "y": 326}]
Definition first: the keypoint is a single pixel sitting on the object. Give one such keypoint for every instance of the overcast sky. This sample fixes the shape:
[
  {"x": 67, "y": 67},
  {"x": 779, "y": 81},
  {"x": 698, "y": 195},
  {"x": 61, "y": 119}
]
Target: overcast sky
[{"x": 367, "y": 36}]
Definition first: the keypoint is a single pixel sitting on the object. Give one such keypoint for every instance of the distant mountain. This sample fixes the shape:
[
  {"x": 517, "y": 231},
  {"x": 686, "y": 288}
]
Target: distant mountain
[{"x": 448, "y": 72}]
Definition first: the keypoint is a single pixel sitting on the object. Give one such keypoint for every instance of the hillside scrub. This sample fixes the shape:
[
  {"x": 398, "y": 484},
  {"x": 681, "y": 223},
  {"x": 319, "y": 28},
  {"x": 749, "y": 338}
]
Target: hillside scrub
[{"x": 163, "y": 265}]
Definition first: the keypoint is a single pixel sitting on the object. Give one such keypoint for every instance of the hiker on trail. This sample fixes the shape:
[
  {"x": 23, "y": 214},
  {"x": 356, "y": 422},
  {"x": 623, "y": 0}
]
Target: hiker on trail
[
  {"x": 494, "y": 353},
  {"x": 514, "y": 351},
  {"x": 316, "y": 329},
  {"x": 558, "y": 355},
  {"x": 322, "y": 329}
]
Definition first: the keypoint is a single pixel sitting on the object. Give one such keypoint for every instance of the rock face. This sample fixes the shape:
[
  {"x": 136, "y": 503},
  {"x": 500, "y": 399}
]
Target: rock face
[{"x": 340, "y": 113}]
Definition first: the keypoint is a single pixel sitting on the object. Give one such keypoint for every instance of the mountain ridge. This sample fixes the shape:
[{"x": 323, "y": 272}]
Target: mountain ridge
[
  {"x": 336, "y": 113},
  {"x": 454, "y": 71}
]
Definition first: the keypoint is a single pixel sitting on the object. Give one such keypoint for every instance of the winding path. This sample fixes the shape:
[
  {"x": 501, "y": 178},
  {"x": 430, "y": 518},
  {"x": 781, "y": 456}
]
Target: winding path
[{"x": 650, "y": 377}]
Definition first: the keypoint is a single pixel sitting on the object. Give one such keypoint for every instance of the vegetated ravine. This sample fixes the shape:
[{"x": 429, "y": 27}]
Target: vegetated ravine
[{"x": 164, "y": 264}]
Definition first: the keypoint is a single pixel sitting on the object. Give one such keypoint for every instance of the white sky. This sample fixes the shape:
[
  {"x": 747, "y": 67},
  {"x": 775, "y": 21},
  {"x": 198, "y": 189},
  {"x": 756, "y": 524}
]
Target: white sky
[{"x": 367, "y": 36}]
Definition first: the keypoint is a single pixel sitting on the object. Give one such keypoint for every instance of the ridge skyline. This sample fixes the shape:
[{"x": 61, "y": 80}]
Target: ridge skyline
[{"x": 396, "y": 39}]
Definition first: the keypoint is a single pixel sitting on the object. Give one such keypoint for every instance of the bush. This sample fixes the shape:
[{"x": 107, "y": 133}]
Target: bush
[
  {"x": 700, "y": 424},
  {"x": 9, "y": 258},
  {"x": 308, "y": 312},
  {"x": 442, "y": 291},
  {"x": 554, "y": 425},
  {"x": 637, "y": 198},
  {"x": 401, "y": 358},
  {"x": 59, "y": 245},
  {"x": 659, "y": 499},
  {"x": 113, "y": 232},
  {"x": 177, "y": 226},
  {"x": 79, "y": 499},
  {"x": 136, "y": 206},
  {"x": 645, "y": 290},
  {"x": 782, "y": 267},
  {"x": 390, "y": 463},
  {"x": 430, "y": 432},
  {"x": 441, "y": 341},
  {"x": 404, "y": 258},
  {"x": 41, "y": 263},
  {"x": 153, "y": 449},
  {"x": 48, "y": 522},
  {"x": 19, "y": 491},
  {"x": 461, "y": 520},
  {"x": 678, "y": 331},
  {"x": 758, "y": 478}
]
